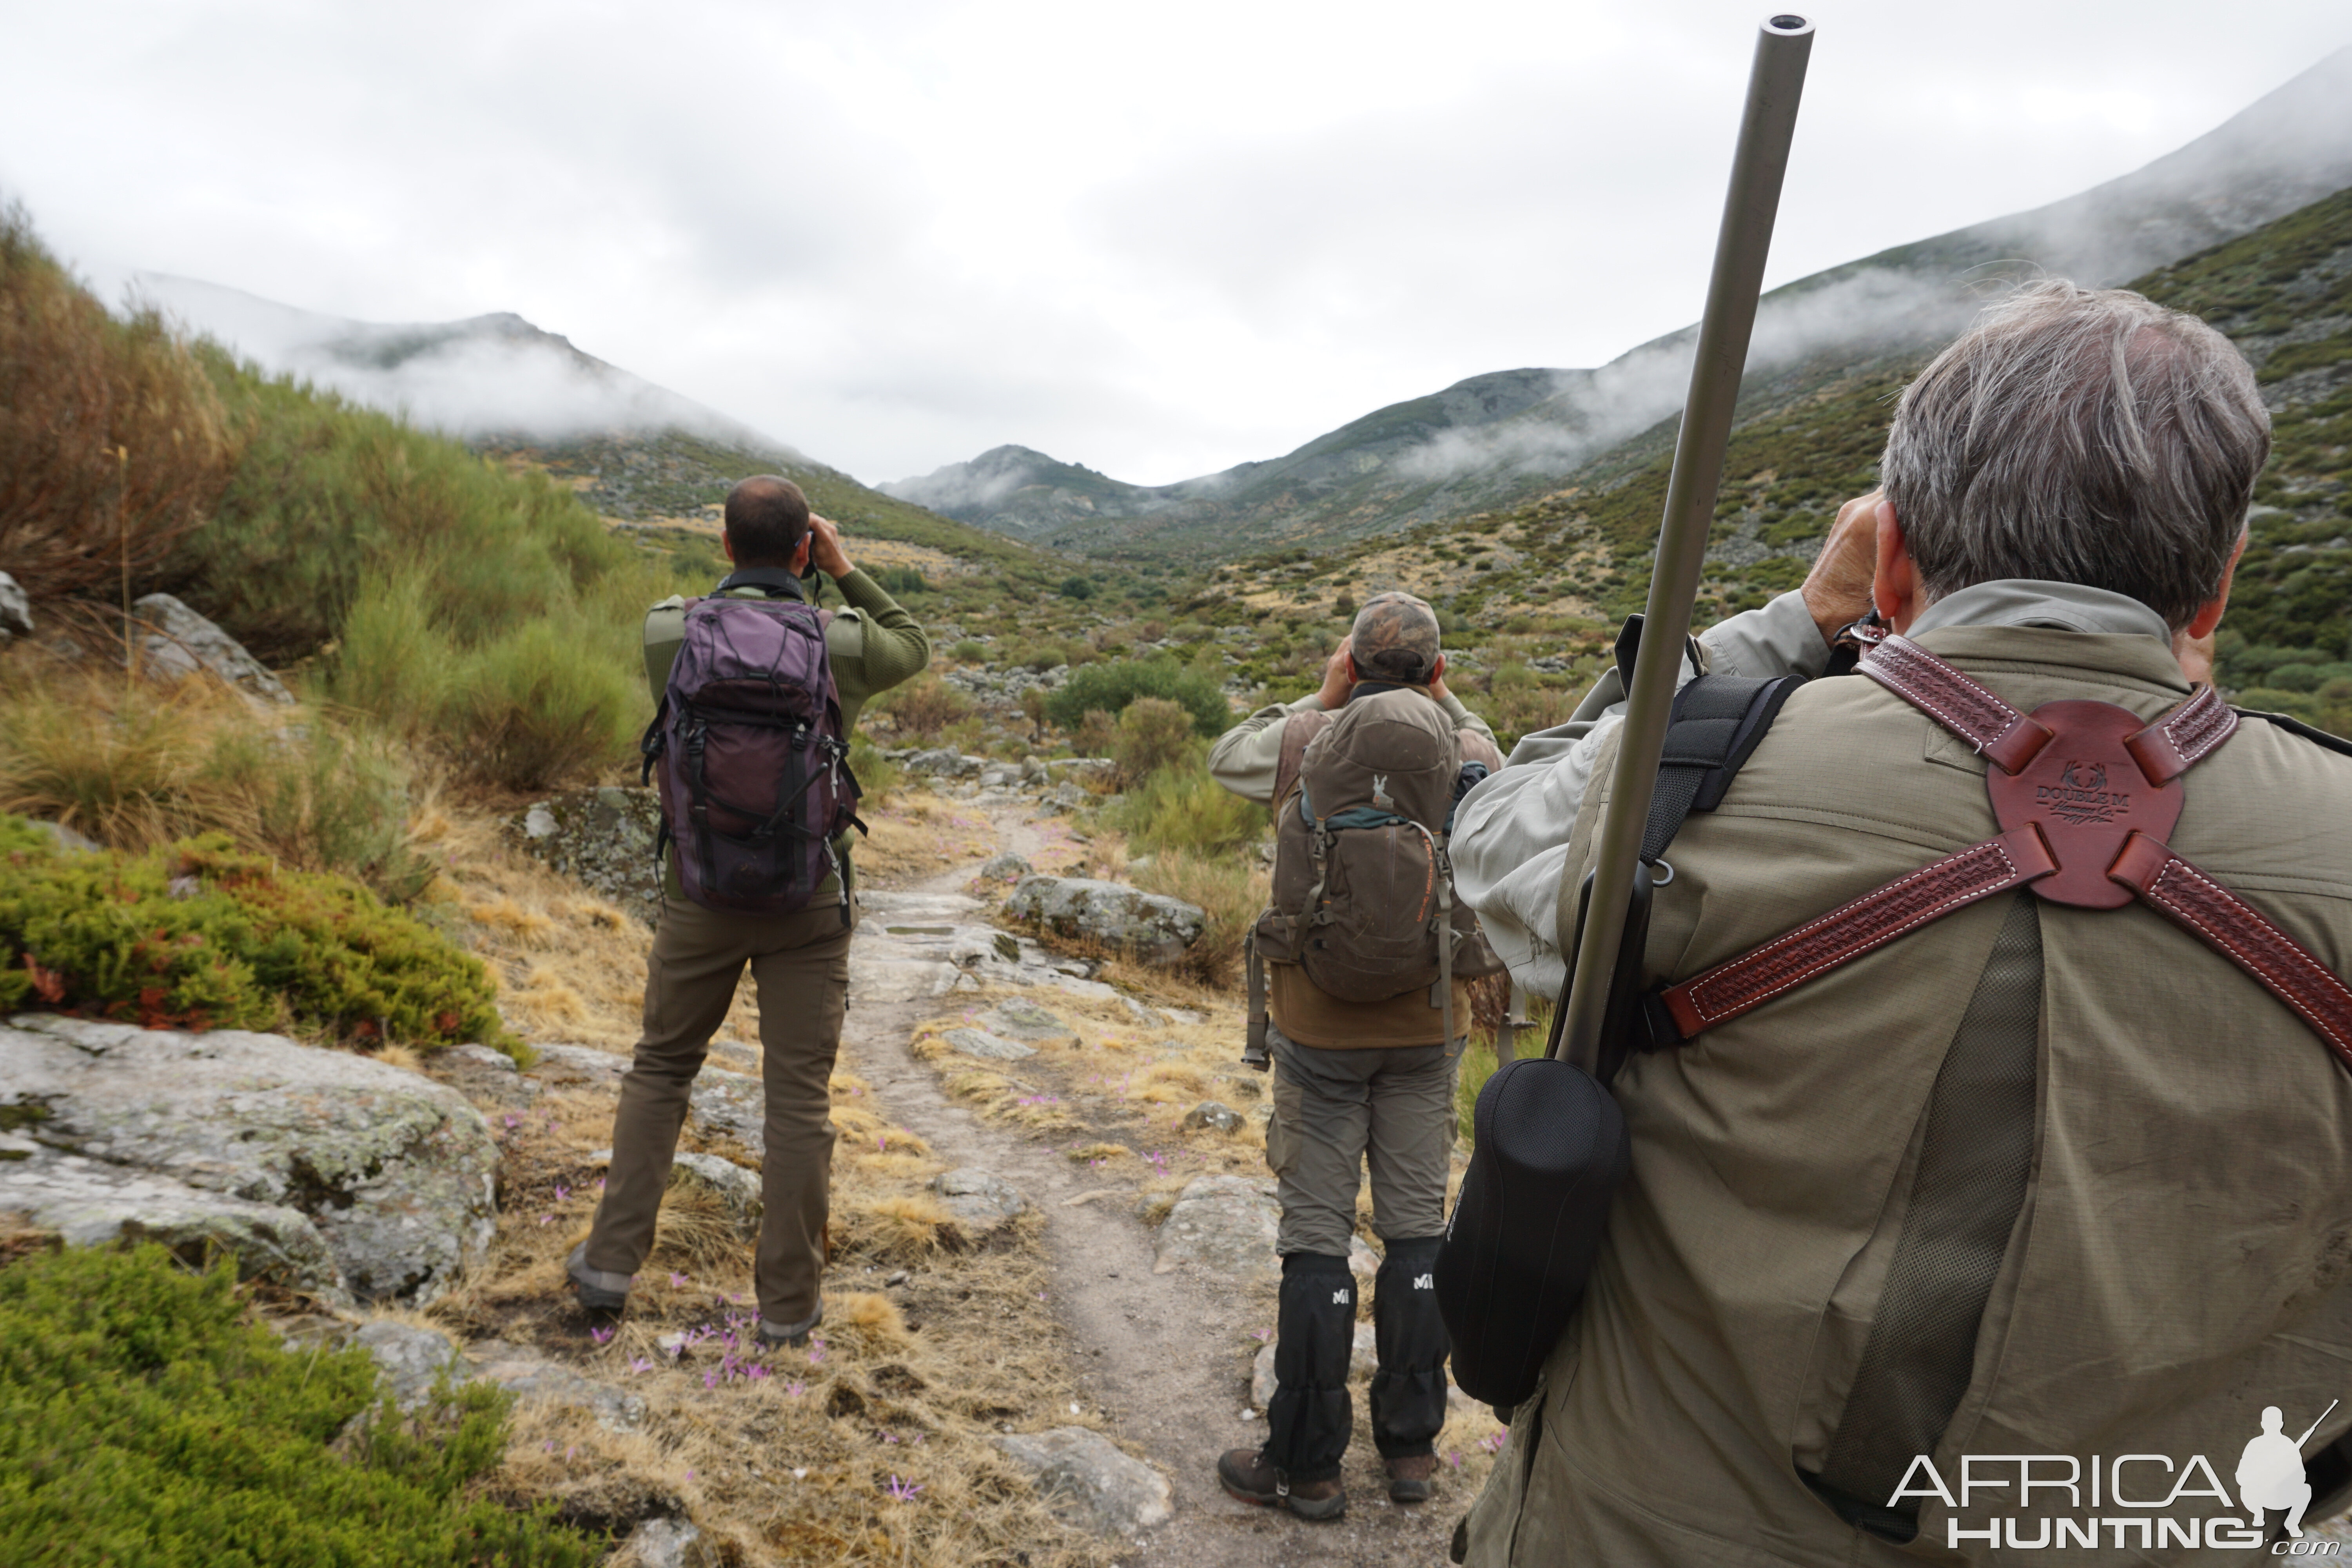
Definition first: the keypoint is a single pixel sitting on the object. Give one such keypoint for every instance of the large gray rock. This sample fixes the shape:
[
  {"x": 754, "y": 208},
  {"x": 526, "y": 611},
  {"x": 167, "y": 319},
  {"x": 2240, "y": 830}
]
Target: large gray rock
[
  {"x": 737, "y": 1189},
  {"x": 945, "y": 762},
  {"x": 396, "y": 1173},
  {"x": 409, "y": 1361},
  {"x": 733, "y": 1104},
  {"x": 980, "y": 1200},
  {"x": 1007, "y": 867},
  {"x": 1018, "y": 1019},
  {"x": 1211, "y": 1114},
  {"x": 15, "y": 610},
  {"x": 90, "y": 1202},
  {"x": 665, "y": 1543},
  {"x": 1088, "y": 1482},
  {"x": 1223, "y": 1226},
  {"x": 987, "y": 1047},
  {"x": 603, "y": 839},
  {"x": 175, "y": 641},
  {"x": 1150, "y": 925}
]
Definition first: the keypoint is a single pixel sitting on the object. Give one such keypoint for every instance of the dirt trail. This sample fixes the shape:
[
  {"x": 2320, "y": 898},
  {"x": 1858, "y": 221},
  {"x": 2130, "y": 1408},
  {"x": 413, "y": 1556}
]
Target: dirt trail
[{"x": 1156, "y": 1351}]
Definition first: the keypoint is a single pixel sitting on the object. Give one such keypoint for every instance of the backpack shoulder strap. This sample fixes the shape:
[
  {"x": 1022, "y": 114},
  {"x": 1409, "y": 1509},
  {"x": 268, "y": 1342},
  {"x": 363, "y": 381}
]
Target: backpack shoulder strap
[
  {"x": 1716, "y": 724},
  {"x": 1297, "y": 731}
]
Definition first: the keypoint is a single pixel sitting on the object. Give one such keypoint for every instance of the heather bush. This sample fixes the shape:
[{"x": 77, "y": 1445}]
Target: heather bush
[
  {"x": 1232, "y": 890},
  {"x": 200, "y": 936},
  {"x": 1154, "y": 734},
  {"x": 1111, "y": 685},
  {"x": 145, "y": 1419},
  {"x": 924, "y": 707}
]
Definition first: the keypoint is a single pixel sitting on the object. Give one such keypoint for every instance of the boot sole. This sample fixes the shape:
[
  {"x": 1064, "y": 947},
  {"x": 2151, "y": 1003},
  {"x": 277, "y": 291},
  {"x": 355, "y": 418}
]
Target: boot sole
[{"x": 1328, "y": 1508}]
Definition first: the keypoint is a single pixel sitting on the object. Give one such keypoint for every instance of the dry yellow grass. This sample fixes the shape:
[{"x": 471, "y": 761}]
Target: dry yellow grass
[{"x": 920, "y": 836}]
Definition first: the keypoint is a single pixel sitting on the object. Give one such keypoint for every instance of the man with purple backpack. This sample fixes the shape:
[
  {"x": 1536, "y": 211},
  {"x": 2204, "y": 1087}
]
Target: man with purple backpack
[{"x": 757, "y": 692}]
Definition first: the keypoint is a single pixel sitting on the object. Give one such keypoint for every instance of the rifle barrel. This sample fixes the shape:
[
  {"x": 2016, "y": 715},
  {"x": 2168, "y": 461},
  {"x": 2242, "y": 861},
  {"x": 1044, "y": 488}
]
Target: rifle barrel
[
  {"x": 1775, "y": 82},
  {"x": 2324, "y": 1415}
]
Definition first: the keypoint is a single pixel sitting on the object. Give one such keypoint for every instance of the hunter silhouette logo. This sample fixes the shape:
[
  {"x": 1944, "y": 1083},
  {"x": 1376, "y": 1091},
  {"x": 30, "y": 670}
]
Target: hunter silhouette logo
[
  {"x": 2082, "y": 796},
  {"x": 2269, "y": 1472}
]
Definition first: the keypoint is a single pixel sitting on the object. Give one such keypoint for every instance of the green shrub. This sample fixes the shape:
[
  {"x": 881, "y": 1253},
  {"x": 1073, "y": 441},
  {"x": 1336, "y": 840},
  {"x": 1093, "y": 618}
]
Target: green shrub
[
  {"x": 529, "y": 708},
  {"x": 1183, "y": 809},
  {"x": 144, "y": 1419},
  {"x": 878, "y": 777},
  {"x": 924, "y": 707},
  {"x": 1154, "y": 734},
  {"x": 902, "y": 579},
  {"x": 1078, "y": 588},
  {"x": 199, "y": 936},
  {"x": 970, "y": 650},
  {"x": 1112, "y": 685}
]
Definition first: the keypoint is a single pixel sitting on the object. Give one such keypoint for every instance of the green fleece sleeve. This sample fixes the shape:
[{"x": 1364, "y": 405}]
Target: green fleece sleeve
[{"x": 875, "y": 644}]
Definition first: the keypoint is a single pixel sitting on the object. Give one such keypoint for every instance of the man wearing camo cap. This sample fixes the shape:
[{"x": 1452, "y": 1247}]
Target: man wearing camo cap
[{"x": 1354, "y": 1079}]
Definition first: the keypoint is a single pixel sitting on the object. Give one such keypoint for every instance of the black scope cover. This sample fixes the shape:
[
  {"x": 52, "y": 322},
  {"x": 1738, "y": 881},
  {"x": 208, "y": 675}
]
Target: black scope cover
[{"x": 1551, "y": 1152}]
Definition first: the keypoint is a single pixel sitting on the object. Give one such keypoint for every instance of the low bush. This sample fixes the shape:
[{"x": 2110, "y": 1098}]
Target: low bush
[
  {"x": 1111, "y": 685},
  {"x": 144, "y": 1418},
  {"x": 1154, "y": 734},
  {"x": 878, "y": 777},
  {"x": 1184, "y": 810},
  {"x": 529, "y": 709},
  {"x": 1231, "y": 889},
  {"x": 924, "y": 707},
  {"x": 200, "y": 936},
  {"x": 138, "y": 769}
]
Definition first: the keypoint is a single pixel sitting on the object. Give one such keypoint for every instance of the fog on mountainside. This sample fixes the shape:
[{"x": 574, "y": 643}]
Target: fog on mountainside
[
  {"x": 495, "y": 376},
  {"x": 1496, "y": 438}
]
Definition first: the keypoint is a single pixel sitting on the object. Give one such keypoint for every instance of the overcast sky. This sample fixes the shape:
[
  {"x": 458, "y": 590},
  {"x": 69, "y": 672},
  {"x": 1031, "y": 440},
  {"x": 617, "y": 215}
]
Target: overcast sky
[{"x": 1158, "y": 240}]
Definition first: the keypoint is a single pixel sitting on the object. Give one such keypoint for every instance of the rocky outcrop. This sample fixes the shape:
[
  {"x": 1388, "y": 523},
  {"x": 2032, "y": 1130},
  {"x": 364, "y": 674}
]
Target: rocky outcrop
[
  {"x": 1152, "y": 926},
  {"x": 911, "y": 946},
  {"x": 230, "y": 1133},
  {"x": 980, "y": 1200},
  {"x": 1223, "y": 1226},
  {"x": 410, "y": 1360},
  {"x": 735, "y": 1189},
  {"x": 175, "y": 642},
  {"x": 603, "y": 839},
  {"x": 1088, "y": 1482},
  {"x": 987, "y": 1047}
]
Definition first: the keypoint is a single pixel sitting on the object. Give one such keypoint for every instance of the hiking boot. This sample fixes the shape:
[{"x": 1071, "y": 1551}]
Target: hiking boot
[
  {"x": 1248, "y": 1476},
  {"x": 1413, "y": 1478},
  {"x": 598, "y": 1290}
]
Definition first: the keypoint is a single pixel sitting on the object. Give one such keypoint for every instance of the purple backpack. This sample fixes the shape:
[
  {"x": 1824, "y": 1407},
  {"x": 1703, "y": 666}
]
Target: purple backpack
[{"x": 755, "y": 781}]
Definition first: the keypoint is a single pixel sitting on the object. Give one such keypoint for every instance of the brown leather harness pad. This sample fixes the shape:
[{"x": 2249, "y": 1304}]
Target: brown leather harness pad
[{"x": 2085, "y": 791}]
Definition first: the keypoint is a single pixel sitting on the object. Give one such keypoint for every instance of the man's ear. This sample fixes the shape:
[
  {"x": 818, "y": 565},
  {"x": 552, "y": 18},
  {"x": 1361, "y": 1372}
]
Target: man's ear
[
  {"x": 727, "y": 542},
  {"x": 1895, "y": 586},
  {"x": 800, "y": 554},
  {"x": 1437, "y": 671},
  {"x": 2209, "y": 616}
]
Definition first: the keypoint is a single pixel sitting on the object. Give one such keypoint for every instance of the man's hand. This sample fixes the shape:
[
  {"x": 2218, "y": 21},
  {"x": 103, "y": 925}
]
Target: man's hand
[
  {"x": 1837, "y": 590},
  {"x": 825, "y": 548},
  {"x": 1338, "y": 677}
]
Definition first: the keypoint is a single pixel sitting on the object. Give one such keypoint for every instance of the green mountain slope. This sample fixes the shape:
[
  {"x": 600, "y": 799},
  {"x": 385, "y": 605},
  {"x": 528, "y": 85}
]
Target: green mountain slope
[{"x": 2283, "y": 293}]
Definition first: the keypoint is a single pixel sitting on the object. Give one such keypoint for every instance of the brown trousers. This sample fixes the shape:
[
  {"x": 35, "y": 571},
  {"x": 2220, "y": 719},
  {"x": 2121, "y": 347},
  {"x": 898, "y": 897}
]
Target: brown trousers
[{"x": 801, "y": 965}]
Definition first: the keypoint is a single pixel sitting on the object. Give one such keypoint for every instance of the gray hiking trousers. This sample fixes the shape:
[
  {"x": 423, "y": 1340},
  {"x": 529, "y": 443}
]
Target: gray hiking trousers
[{"x": 1333, "y": 1111}]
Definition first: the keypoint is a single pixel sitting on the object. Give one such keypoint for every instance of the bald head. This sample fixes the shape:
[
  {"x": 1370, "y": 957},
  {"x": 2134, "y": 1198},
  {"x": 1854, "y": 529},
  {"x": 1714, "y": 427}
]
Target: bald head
[
  {"x": 1395, "y": 639},
  {"x": 767, "y": 518}
]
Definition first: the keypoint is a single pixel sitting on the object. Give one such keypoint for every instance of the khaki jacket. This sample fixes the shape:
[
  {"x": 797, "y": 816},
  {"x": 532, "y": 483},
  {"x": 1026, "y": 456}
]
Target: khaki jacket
[{"x": 2182, "y": 1259}]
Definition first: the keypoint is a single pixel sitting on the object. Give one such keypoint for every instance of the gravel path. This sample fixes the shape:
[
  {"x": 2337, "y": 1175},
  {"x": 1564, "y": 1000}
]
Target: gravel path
[{"x": 1158, "y": 1355}]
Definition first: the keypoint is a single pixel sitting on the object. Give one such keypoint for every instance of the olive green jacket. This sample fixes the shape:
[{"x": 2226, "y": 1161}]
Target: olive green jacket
[
  {"x": 873, "y": 644},
  {"x": 2182, "y": 1259}
]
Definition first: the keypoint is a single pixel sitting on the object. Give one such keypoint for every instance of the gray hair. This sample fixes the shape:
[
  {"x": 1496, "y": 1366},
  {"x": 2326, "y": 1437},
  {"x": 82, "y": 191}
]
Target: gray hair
[{"x": 2081, "y": 436}]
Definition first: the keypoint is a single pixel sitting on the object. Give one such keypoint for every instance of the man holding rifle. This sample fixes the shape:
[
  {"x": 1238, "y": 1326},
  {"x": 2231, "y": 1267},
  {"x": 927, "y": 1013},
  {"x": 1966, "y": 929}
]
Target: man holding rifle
[{"x": 2036, "y": 1172}]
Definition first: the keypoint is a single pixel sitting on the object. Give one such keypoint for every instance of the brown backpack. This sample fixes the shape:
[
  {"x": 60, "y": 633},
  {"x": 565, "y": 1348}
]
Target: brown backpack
[{"x": 1363, "y": 885}]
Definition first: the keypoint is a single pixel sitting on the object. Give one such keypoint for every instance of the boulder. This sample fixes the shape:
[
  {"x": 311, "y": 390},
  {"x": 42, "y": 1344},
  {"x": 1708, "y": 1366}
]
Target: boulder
[
  {"x": 990, "y": 1048},
  {"x": 15, "y": 610},
  {"x": 732, "y": 1104},
  {"x": 603, "y": 839},
  {"x": 67, "y": 840},
  {"x": 1149, "y": 925},
  {"x": 980, "y": 1200},
  {"x": 90, "y": 1202},
  {"x": 1225, "y": 1226},
  {"x": 1006, "y": 868},
  {"x": 1088, "y": 1482},
  {"x": 409, "y": 1360},
  {"x": 945, "y": 762},
  {"x": 579, "y": 1064},
  {"x": 1020, "y": 1020},
  {"x": 1209, "y": 1114},
  {"x": 1065, "y": 796},
  {"x": 396, "y": 1173},
  {"x": 665, "y": 1543},
  {"x": 737, "y": 1189},
  {"x": 174, "y": 642}
]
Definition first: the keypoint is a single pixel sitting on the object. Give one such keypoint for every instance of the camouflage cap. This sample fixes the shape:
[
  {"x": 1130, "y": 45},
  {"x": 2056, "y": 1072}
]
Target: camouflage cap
[{"x": 1395, "y": 639}]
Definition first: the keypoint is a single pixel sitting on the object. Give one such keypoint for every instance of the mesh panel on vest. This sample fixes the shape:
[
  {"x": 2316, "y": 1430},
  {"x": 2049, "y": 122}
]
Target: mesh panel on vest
[{"x": 1966, "y": 1195}]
